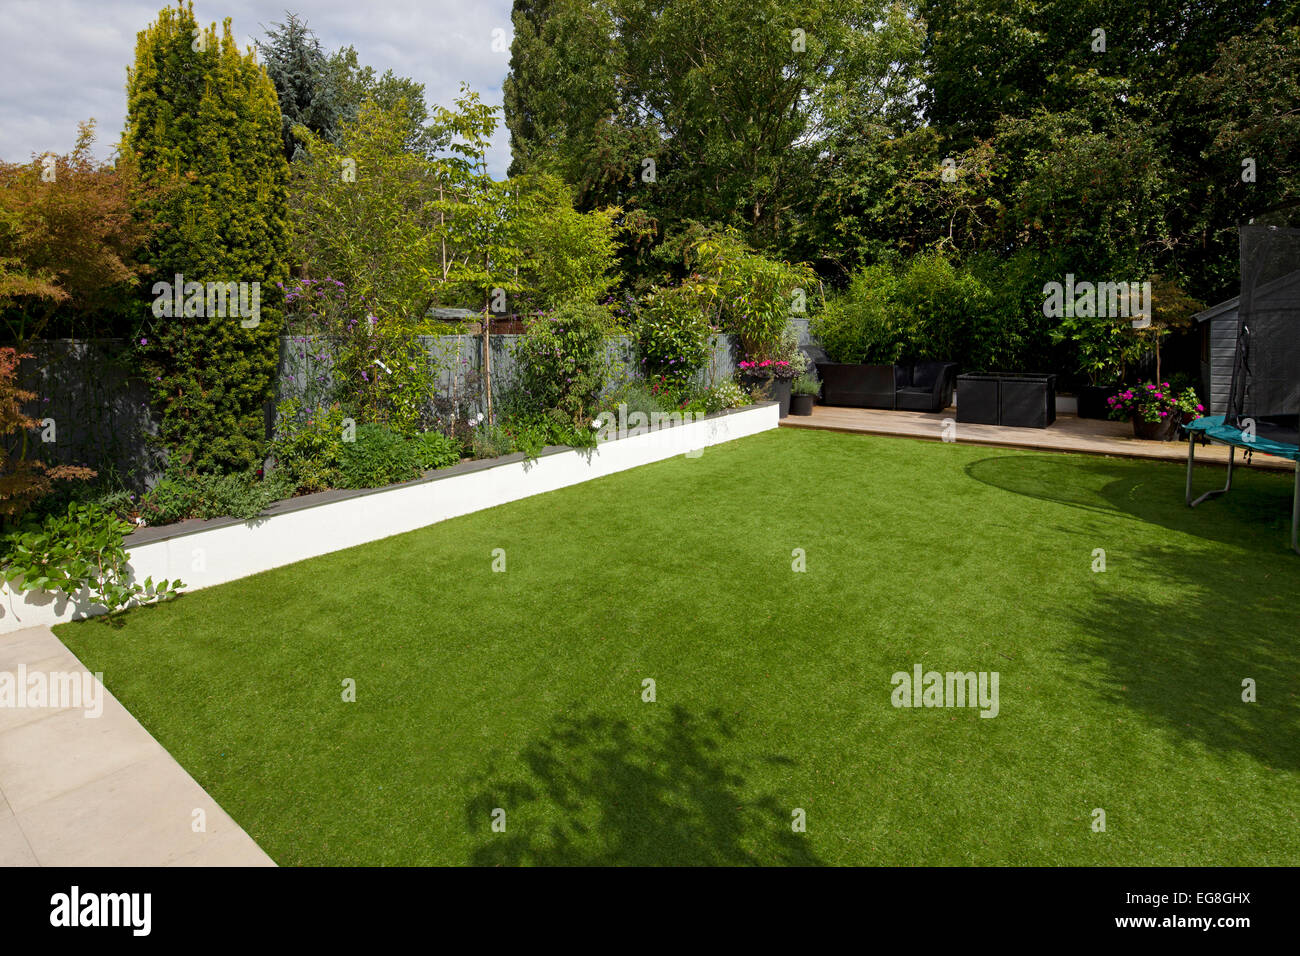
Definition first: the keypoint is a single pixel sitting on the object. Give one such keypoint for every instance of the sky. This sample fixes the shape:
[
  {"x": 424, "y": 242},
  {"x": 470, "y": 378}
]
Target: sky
[{"x": 65, "y": 60}]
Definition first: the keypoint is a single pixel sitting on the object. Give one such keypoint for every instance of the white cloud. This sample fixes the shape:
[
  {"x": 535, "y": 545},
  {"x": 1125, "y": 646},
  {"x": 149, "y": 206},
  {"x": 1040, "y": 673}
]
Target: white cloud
[{"x": 66, "y": 60}]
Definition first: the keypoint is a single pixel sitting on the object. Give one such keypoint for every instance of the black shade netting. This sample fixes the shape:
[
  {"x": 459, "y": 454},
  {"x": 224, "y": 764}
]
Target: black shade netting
[{"x": 1266, "y": 368}]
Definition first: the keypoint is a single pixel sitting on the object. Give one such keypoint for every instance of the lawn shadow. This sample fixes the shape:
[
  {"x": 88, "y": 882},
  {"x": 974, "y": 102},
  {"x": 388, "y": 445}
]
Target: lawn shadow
[
  {"x": 1178, "y": 654},
  {"x": 1181, "y": 660},
  {"x": 1255, "y": 515},
  {"x": 668, "y": 790}
]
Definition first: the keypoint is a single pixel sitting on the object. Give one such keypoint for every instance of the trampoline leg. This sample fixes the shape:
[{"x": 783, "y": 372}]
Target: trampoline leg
[
  {"x": 1232, "y": 454},
  {"x": 1295, "y": 513},
  {"x": 1191, "y": 459}
]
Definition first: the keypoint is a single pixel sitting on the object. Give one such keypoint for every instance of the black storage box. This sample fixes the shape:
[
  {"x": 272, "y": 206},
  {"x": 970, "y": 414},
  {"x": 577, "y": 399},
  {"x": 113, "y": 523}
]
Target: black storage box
[
  {"x": 1016, "y": 399},
  {"x": 977, "y": 399},
  {"x": 1027, "y": 400}
]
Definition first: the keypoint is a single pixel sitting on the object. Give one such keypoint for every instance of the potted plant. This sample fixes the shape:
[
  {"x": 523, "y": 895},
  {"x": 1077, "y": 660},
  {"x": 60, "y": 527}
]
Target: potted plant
[
  {"x": 1156, "y": 409},
  {"x": 1102, "y": 347},
  {"x": 768, "y": 379},
  {"x": 802, "y": 392}
]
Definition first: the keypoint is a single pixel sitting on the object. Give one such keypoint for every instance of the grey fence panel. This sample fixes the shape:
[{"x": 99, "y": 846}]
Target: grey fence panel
[
  {"x": 99, "y": 407},
  {"x": 94, "y": 407}
]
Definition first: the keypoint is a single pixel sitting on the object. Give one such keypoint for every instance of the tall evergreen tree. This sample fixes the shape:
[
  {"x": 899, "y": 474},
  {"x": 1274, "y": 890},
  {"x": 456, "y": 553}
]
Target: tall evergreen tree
[
  {"x": 303, "y": 82},
  {"x": 200, "y": 109}
]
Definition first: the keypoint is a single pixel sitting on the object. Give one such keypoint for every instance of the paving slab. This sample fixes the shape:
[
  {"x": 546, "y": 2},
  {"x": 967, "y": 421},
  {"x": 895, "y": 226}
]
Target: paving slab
[
  {"x": 77, "y": 790},
  {"x": 14, "y": 848}
]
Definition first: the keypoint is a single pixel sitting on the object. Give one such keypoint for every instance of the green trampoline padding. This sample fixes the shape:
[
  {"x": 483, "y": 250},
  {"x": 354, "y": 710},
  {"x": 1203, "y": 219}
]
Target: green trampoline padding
[{"x": 1213, "y": 428}]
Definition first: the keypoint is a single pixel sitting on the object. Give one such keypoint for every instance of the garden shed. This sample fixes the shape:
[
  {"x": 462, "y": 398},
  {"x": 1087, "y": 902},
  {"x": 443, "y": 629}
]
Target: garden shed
[{"x": 1218, "y": 325}]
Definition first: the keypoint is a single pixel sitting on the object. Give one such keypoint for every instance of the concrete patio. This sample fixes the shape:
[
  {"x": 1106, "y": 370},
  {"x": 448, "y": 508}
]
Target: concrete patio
[{"x": 81, "y": 790}]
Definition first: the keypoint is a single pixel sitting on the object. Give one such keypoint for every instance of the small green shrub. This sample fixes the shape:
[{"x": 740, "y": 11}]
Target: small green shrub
[
  {"x": 172, "y": 499},
  {"x": 637, "y": 396},
  {"x": 436, "y": 450},
  {"x": 805, "y": 385},
  {"x": 308, "y": 446},
  {"x": 377, "y": 457},
  {"x": 562, "y": 364},
  {"x": 491, "y": 441},
  {"x": 81, "y": 549},
  {"x": 529, "y": 434},
  {"x": 673, "y": 337},
  {"x": 241, "y": 495}
]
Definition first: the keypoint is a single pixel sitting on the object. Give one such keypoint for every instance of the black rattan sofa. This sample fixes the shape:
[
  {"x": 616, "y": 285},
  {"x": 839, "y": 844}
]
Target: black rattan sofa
[{"x": 924, "y": 386}]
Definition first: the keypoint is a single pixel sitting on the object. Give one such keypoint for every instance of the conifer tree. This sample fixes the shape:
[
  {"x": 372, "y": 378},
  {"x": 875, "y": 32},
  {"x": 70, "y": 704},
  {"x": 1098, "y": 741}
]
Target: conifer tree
[{"x": 200, "y": 109}]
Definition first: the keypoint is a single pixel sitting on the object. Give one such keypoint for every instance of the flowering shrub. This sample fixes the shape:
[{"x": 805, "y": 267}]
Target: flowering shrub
[
  {"x": 1155, "y": 403},
  {"x": 725, "y": 395},
  {"x": 378, "y": 366}
]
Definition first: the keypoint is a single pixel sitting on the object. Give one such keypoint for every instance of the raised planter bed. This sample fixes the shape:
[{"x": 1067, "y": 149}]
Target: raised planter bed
[
  {"x": 205, "y": 553},
  {"x": 858, "y": 386}
]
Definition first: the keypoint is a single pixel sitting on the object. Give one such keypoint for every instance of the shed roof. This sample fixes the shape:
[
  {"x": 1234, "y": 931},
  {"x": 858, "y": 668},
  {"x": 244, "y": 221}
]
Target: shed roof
[{"x": 1230, "y": 305}]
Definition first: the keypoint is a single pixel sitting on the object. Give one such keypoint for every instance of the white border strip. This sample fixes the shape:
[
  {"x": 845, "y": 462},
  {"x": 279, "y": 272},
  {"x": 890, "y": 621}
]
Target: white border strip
[{"x": 211, "y": 556}]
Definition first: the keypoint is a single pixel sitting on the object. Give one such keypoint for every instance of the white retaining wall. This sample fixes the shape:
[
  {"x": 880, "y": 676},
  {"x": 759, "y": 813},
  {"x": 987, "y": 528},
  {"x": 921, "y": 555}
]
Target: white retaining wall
[{"x": 213, "y": 555}]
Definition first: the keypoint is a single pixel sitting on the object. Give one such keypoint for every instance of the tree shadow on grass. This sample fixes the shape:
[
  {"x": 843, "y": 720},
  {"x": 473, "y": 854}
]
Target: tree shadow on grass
[
  {"x": 1177, "y": 653},
  {"x": 668, "y": 790},
  {"x": 1180, "y": 658},
  {"x": 1255, "y": 515}
]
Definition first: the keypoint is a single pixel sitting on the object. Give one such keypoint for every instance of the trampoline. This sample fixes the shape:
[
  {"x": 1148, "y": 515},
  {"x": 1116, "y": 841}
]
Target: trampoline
[
  {"x": 1263, "y": 406},
  {"x": 1213, "y": 429}
]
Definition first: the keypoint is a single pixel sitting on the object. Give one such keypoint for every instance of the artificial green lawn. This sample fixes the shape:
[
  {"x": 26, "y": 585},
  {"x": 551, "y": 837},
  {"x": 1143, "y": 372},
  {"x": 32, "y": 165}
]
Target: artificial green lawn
[{"x": 522, "y": 690}]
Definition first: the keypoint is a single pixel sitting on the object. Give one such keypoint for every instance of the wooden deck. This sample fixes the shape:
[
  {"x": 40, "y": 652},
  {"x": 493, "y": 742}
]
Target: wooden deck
[{"x": 1068, "y": 433}]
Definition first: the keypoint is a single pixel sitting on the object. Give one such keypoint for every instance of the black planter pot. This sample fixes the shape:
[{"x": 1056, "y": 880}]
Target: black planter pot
[
  {"x": 770, "y": 390},
  {"x": 801, "y": 404},
  {"x": 1092, "y": 400},
  {"x": 1163, "y": 430}
]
